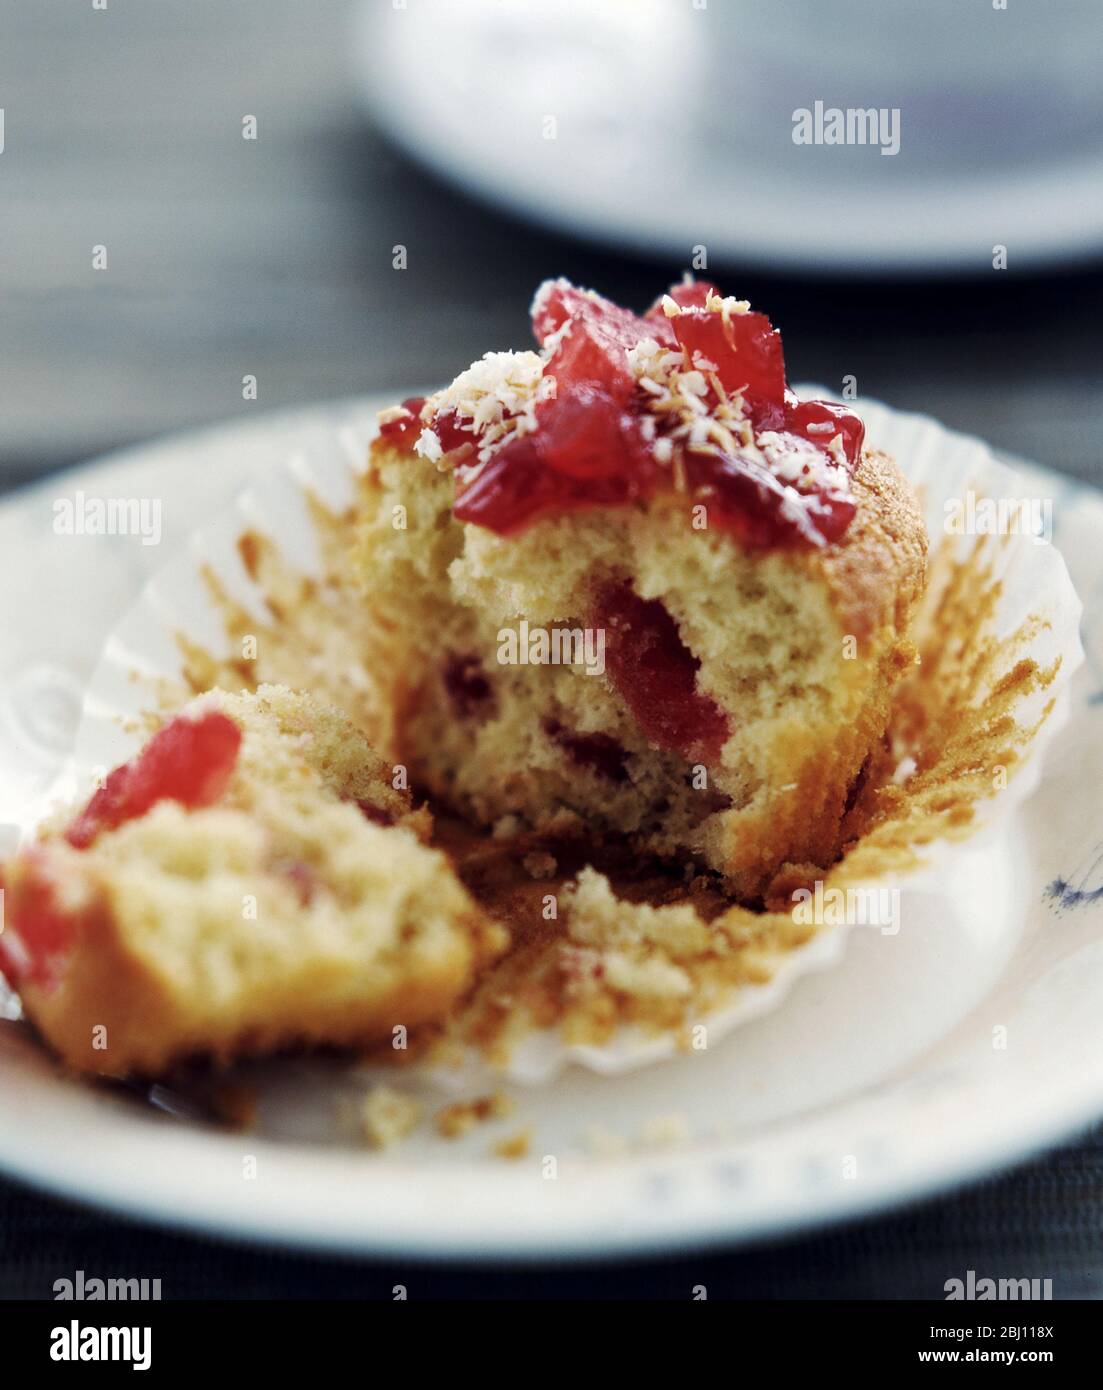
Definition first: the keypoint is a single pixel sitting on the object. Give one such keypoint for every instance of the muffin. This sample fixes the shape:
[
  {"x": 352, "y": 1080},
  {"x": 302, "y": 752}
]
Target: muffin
[
  {"x": 251, "y": 880},
  {"x": 629, "y": 584}
]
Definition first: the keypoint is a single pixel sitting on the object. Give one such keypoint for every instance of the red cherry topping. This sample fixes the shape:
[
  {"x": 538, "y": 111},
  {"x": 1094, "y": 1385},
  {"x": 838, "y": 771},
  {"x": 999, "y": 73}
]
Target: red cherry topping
[
  {"x": 744, "y": 350},
  {"x": 404, "y": 429},
  {"x": 594, "y": 442},
  {"x": 38, "y": 932},
  {"x": 189, "y": 760}
]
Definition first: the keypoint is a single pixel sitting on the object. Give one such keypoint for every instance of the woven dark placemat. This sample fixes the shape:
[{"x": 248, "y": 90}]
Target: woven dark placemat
[{"x": 1044, "y": 1221}]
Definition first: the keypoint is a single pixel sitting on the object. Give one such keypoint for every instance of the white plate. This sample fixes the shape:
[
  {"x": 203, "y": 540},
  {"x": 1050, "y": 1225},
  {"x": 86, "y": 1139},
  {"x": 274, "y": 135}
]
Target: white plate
[
  {"x": 656, "y": 148},
  {"x": 874, "y": 1082}
]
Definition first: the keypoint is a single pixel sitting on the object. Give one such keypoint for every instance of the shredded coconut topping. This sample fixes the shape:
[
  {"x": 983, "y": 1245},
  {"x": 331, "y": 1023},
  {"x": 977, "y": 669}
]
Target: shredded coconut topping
[
  {"x": 727, "y": 305},
  {"x": 428, "y": 446},
  {"x": 794, "y": 460},
  {"x": 495, "y": 400},
  {"x": 676, "y": 396},
  {"x": 684, "y": 406},
  {"x": 691, "y": 409}
]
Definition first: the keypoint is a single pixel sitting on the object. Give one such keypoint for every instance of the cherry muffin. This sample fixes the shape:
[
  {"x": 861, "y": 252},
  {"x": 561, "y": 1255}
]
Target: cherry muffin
[
  {"x": 631, "y": 583},
  {"x": 251, "y": 880}
]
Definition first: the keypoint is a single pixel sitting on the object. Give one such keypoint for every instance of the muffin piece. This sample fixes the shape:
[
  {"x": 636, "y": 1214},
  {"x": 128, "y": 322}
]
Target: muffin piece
[
  {"x": 251, "y": 880},
  {"x": 631, "y": 583}
]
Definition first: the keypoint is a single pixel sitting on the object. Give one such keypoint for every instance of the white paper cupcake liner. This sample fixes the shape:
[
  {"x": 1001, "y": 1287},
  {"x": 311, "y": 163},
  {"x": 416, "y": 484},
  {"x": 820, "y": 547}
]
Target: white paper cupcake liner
[{"x": 959, "y": 882}]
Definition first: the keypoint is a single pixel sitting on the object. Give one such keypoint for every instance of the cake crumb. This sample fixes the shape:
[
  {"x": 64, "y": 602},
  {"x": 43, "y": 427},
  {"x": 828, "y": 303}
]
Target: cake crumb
[
  {"x": 540, "y": 864},
  {"x": 393, "y": 414},
  {"x": 387, "y": 1116},
  {"x": 235, "y": 1105},
  {"x": 515, "y": 1146},
  {"x": 605, "y": 1143},
  {"x": 666, "y": 1131},
  {"x": 456, "y": 1119},
  {"x": 905, "y": 768}
]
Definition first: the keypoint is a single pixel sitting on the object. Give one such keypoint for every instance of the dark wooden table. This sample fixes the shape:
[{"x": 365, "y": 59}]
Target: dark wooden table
[{"x": 273, "y": 257}]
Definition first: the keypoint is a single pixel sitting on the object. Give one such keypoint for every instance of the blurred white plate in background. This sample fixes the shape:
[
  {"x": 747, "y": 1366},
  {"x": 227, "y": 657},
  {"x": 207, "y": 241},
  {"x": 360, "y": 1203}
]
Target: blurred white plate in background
[{"x": 666, "y": 125}]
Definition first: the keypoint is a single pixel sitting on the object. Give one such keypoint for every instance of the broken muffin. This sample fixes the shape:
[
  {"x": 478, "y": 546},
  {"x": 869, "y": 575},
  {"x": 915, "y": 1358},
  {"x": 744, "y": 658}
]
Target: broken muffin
[
  {"x": 251, "y": 880},
  {"x": 631, "y": 583}
]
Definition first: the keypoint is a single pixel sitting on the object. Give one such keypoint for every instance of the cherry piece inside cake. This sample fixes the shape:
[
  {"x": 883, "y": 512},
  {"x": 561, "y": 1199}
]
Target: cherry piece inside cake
[
  {"x": 250, "y": 880},
  {"x": 629, "y": 582}
]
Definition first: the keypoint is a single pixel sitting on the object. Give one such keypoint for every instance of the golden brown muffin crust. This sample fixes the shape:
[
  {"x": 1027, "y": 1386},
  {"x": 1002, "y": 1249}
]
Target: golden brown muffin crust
[{"x": 878, "y": 570}]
